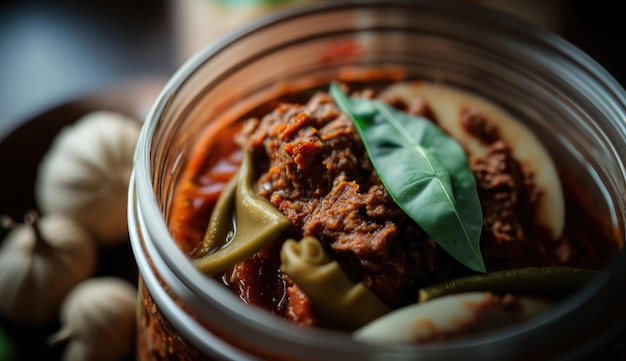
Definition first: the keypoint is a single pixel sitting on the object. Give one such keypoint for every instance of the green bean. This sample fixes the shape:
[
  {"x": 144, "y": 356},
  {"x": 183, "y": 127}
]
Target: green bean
[
  {"x": 220, "y": 223},
  {"x": 552, "y": 282},
  {"x": 257, "y": 223}
]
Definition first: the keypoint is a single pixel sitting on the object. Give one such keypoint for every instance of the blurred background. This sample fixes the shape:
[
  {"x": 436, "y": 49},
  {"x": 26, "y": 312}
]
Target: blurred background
[{"x": 55, "y": 51}]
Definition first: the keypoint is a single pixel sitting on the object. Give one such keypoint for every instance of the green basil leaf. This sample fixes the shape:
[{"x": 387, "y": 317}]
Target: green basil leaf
[{"x": 425, "y": 171}]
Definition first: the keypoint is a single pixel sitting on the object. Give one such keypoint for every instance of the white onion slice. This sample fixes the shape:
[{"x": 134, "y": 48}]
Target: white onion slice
[{"x": 448, "y": 315}]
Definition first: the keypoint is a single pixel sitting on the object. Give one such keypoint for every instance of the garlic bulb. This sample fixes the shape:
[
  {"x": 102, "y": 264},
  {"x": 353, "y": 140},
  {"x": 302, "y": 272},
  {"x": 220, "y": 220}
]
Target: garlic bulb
[
  {"x": 86, "y": 173},
  {"x": 40, "y": 262},
  {"x": 98, "y": 320}
]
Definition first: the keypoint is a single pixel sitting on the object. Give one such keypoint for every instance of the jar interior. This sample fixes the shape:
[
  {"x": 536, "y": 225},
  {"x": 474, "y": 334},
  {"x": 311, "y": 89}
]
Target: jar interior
[{"x": 543, "y": 101}]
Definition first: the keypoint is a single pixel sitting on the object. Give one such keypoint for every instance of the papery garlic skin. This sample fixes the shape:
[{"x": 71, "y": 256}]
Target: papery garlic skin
[
  {"x": 86, "y": 173},
  {"x": 35, "y": 278},
  {"x": 98, "y": 320}
]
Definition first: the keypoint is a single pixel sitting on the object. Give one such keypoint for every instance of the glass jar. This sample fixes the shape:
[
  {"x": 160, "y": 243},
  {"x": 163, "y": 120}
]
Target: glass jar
[
  {"x": 574, "y": 106},
  {"x": 198, "y": 22}
]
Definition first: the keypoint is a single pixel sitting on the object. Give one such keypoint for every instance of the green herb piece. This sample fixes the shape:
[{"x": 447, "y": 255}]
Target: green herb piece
[
  {"x": 257, "y": 223},
  {"x": 554, "y": 282},
  {"x": 425, "y": 171}
]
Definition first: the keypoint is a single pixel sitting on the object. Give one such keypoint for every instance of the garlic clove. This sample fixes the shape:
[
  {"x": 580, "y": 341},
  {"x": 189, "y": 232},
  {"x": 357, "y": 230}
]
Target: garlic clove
[
  {"x": 39, "y": 264},
  {"x": 98, "y": 320},
  {"x": 86, "y": 173},
  {"x": 446, "y": 103}
]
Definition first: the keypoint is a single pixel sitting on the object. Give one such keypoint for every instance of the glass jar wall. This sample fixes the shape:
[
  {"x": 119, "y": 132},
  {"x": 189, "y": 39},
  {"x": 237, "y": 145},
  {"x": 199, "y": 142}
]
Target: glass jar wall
[{"x": 574, "y": 107}]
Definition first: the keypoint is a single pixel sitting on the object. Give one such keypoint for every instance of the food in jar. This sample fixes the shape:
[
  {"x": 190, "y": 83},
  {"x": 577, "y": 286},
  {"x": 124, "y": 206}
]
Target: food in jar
[{"x": 320, "y": 200}]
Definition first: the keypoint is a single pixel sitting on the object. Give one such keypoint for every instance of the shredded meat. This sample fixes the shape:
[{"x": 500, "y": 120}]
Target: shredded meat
[
  {"x": 320, "y": 177},
  {"x": 315, "y": 171},
  {"x": 506, "y": 195},
  {"x": 476, "y": 124}
]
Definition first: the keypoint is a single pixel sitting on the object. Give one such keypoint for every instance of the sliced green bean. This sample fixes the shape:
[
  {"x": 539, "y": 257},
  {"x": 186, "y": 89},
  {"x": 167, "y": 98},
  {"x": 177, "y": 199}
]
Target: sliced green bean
[
  {"x": 338, "y": 300},
  {"x": 257, "y": 223},
  {"x": 554, "y": 282},
  {"x": 220, "y": 223}
]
